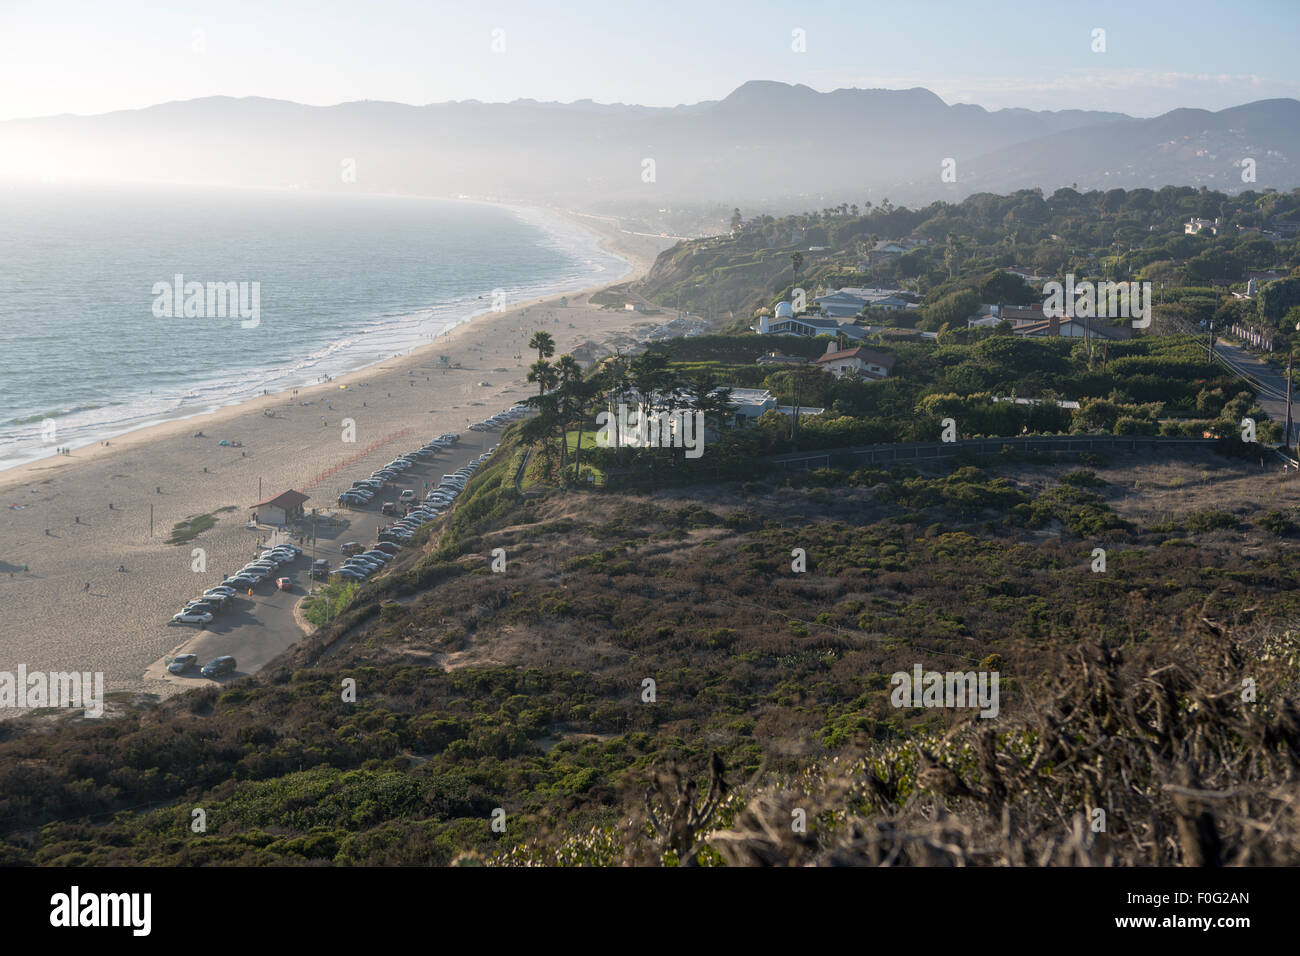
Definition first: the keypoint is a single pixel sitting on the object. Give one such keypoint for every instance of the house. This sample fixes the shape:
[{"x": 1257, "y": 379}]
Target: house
[
  {"x": 1016, "y": 314},
  {"x": 850, "y": 301},
  {"x": 785, "y": 322},
  {"x": 858, "y": 362},
  {"x": 1194, "y": 227},
  {"x": 750, "y": 404},
  {"x": 281, "y": 509},
  {"x": 991, "y": 316},
  {"x": 1075, "y": 327}
]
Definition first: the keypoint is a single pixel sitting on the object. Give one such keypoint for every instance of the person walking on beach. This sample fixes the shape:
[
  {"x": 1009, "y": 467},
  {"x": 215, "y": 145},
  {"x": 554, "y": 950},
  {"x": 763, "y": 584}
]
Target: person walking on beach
[{"x": 87, "y": 586}]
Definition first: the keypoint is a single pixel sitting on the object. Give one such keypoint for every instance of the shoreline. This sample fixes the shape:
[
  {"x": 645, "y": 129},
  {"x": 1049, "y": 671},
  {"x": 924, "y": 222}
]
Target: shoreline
[
  {"x": 85, "y": 518},
  {"x": 147, "y": 431},
  {"x": 635, "y": 268}
]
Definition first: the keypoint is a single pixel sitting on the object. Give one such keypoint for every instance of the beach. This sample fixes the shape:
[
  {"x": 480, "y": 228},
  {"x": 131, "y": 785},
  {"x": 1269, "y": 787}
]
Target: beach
[{"x": 73, "y": 520}]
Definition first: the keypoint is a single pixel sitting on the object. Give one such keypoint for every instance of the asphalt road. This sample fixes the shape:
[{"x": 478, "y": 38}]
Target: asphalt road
[
  {"x": 255, "y": 630},
  {"x": 1272, "y": 397}
]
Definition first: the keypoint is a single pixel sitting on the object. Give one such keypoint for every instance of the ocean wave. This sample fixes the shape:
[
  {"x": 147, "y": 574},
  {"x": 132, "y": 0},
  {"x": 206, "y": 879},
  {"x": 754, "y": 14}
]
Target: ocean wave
[{"x": 370, "y": 340}]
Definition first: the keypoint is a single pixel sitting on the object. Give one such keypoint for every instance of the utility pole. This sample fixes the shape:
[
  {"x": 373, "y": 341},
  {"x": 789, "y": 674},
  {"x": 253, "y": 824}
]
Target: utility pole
[
  {"x": 1289, "y": 360},
  {"x": 311, "y": 574},
  {"x": 151, "y": 521}
]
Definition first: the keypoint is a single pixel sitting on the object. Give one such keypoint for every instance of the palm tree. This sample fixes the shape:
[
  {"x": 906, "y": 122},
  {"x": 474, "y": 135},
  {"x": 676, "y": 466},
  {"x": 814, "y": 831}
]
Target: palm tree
[
  {"x": 796, "y": 261},
  {"x": 543, "y": 373},
  {"x": 544, "y": 344},
  {"x": 569, "y": 376}
]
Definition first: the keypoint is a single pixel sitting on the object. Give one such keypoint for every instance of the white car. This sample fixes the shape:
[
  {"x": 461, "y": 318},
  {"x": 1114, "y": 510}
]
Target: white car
[{"x": 192, "y": 617}]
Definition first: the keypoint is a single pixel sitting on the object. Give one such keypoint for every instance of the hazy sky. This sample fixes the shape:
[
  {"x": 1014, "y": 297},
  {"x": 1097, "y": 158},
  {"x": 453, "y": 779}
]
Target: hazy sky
[{"x": 94, "y": 56}]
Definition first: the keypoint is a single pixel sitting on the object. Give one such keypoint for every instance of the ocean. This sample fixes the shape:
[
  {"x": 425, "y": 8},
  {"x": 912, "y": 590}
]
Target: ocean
[{"x": 93, "y": 339}]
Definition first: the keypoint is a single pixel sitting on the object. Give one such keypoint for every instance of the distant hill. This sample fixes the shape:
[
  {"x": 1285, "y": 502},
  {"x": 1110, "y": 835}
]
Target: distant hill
[{"x": 766, "y": 141}]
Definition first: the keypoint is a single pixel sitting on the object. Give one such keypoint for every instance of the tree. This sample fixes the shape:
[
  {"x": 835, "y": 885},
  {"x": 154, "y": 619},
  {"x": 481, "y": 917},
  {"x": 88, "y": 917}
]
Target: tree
[
  {"x": 1002, "y": 287},
  {"x": 544, "y": 374},
  {"x": 736, "y": 218},
  {"x": 1276, "y": 298},
  {"x": 544, "y": 344},
  {"x": 568, "y": 374},
  {"x": 796, "y": 262}
]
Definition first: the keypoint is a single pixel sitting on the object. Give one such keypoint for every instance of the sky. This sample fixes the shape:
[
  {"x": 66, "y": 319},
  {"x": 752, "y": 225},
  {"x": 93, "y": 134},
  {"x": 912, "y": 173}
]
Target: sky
[{"x": 86, "y": 57}]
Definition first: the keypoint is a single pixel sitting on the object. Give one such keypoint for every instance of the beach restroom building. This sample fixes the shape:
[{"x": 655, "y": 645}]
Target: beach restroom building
[{"x": 281, "y": 509}]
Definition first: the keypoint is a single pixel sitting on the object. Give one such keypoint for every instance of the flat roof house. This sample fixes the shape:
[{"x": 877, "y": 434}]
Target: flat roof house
[
  {"x": 848, "y": 302},
  {"x": 785, "y": 322}
]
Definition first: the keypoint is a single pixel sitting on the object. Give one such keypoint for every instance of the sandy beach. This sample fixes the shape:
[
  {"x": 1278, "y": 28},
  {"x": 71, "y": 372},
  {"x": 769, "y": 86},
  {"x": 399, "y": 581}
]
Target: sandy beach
[{"x": 84, "y": 515}]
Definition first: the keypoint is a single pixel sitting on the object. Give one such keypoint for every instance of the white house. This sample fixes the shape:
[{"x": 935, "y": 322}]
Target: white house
[
  {"x": 858, "y": 362},
  {"x": 785, "y": 322}
]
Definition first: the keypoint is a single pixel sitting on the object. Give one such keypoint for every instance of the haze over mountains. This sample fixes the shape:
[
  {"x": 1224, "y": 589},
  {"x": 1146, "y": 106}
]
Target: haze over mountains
[{"x": 782, "y": 145}]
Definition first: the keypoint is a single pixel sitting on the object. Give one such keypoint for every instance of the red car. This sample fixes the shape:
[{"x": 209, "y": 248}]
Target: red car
[{"x": 284, "y": 584}]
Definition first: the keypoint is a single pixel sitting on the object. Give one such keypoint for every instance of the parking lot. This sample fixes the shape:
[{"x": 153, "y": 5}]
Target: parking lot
[{"x": 255, "y": 629}]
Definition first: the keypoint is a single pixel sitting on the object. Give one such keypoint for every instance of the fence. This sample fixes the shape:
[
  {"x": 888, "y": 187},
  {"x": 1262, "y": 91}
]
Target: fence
[{"x": 348, "y": 462}]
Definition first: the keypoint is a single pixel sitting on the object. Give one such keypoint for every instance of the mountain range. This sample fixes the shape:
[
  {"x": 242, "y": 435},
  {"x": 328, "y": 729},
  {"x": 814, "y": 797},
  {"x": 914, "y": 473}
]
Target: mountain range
[{"x": 766, "y": 142}]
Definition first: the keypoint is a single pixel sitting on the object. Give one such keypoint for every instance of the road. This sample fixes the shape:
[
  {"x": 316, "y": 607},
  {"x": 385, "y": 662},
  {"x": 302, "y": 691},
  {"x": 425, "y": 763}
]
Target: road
[
  {"x": 257, "y": 629},
  {"x": 1272, "y": 394}
]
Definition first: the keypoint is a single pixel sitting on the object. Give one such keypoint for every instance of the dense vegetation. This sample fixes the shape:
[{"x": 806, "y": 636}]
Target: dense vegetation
[
  {"x": 1113, "y": 234},
  {"x": 773, "y": 670}
]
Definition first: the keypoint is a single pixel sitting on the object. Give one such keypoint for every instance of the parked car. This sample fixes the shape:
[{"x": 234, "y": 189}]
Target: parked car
[
  {"x": 192, "y": 617},
  {"x": 284, "y": 584},
  {"x": 181, "y": 663},
  {"x": 388, "y": 508},
  {"x": 386, "y": 547},
  {"x": 219, "y": 667},
  {"x": 351, "y": 547},
  {"x": 406, "y": 496},
  {"x": 320, "y": 570}
]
